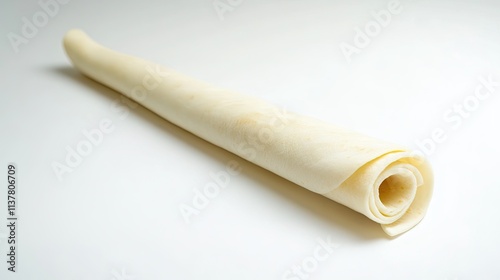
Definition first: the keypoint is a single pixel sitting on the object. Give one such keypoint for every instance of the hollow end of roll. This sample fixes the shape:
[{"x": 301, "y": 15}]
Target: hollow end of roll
[{"x": 395, "y": 192}]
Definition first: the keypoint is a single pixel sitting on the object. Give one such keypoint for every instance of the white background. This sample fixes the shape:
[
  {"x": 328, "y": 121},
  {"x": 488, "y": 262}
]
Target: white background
[{"x": 116, "y": 215}]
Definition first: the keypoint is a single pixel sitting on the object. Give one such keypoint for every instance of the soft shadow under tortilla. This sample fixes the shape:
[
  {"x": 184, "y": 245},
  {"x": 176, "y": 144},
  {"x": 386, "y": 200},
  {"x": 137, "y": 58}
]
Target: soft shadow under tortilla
[{"x": 336, "y": 215}]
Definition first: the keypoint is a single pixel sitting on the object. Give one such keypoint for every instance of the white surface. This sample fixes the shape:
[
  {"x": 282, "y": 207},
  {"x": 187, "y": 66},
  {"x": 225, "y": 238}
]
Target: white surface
[{"x": 116, "y": 216}]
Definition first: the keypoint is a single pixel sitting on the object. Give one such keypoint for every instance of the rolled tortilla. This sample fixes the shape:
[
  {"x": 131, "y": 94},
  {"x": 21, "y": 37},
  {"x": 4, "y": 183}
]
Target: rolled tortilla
[{"x": 387, "y": 183}]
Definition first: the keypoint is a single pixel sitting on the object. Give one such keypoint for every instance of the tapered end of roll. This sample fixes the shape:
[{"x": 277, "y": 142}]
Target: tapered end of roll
[
  {"x": 79, "y": 47},
  {"x": 73, "y": 36}
]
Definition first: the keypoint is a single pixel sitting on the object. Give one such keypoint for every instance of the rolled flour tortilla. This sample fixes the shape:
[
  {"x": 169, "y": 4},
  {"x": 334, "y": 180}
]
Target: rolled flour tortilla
[{"x": 385, "y": 182}]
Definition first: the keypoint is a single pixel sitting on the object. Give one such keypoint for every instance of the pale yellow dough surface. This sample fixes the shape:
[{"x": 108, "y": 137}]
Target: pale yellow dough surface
[{"x": 385, "y": 182}]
